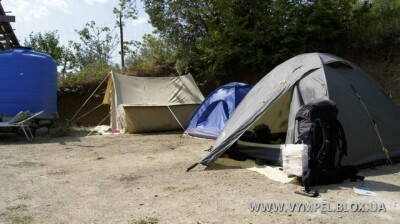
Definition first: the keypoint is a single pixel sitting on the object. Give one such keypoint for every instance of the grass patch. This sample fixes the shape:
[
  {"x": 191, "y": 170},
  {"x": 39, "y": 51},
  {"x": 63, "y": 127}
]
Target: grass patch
[
  {"x": 57, "y": 172},
  {"x": 62, "y": 130},
  {"x": 13, "y": 215},
  {"x": 27, "y": 164},
  {"x": 17, "y": 207},
  {"x": 24, "y": 197},
  {"x": 129, "y": 178},
  {"x": 20, "y": 219},
  {"x": 147, "y": 220}
]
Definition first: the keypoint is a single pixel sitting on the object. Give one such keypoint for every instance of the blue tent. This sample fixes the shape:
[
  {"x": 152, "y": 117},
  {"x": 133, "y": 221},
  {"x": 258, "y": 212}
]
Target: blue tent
[{"x": 211, "y": 116}]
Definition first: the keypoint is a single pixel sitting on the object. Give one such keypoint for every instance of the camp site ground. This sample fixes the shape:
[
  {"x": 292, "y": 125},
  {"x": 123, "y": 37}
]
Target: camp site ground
[
  {"x": 128, "y": 178},
  {"x": 100, "y": 126}
]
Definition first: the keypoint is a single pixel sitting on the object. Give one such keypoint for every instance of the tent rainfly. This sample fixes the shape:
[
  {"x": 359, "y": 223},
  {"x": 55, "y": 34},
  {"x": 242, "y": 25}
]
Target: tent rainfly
[
  {"x": 370, "y": 118},
  {"x": 146, "y": 104},
  {"x": 211, "y": 116}
]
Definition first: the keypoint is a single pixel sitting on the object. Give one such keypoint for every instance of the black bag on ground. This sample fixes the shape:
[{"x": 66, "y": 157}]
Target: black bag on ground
[
  {"x": 262, "y": 133},
  {"x": 319, "y": 128}
]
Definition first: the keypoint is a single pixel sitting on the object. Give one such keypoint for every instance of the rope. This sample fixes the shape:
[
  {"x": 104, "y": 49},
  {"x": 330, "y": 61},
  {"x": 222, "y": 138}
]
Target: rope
[
  {"x": 87, "y": 100},
  {"x": 176, "y": 118},
  {"x": 384, "y": 149},
  {"x": 87, "y": 113}
]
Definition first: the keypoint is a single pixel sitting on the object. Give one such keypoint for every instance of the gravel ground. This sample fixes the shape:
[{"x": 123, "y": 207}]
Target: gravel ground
[{"x": 128, "y": 178}]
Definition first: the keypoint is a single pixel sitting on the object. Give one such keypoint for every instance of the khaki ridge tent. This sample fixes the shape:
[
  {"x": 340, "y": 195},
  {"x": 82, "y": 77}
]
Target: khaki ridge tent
[
  {"x": 370, "y": 118},
  {"x": 145, "y": 104}
]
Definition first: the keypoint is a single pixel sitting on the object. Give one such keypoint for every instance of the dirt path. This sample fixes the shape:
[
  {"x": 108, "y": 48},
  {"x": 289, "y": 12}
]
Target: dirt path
[{"x": 123, "y": 178}]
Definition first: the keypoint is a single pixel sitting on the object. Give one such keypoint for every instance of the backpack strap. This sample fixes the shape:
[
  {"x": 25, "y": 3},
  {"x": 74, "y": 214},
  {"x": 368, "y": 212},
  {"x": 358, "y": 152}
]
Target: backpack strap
[
  {"x": 325, "y": 140},
  {"x": 342, "y": 145}
]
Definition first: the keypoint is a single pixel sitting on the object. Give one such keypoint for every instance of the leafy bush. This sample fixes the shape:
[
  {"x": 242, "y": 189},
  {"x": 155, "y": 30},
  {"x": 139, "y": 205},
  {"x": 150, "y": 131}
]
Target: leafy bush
[
  {"x": 152, "y": 56},
  {"x": 91, "y": 73}
]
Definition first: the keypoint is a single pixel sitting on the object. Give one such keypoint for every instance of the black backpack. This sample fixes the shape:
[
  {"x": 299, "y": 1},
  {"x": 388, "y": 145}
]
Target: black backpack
[{"x": 319, "y": 128}]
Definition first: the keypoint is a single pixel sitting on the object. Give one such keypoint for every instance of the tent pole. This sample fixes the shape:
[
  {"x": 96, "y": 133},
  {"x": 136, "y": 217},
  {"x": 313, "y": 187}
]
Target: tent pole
[
  {"x": 176, "y": 118},
  {"x": 384, "y": 149}
]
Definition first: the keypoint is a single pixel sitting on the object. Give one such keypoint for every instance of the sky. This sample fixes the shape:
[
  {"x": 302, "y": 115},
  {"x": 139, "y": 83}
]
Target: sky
[{"x": 66, "y": 16}]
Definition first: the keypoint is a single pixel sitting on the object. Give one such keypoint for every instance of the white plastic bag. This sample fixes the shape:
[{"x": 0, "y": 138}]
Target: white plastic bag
[{"x": 294, "y": 159}]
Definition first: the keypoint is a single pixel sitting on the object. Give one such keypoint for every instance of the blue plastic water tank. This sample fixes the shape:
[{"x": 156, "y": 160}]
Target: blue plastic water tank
[{"x": 28, "y": 81}]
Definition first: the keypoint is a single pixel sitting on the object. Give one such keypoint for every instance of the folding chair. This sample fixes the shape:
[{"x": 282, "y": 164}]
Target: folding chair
[{"x": 23, "y": 125}]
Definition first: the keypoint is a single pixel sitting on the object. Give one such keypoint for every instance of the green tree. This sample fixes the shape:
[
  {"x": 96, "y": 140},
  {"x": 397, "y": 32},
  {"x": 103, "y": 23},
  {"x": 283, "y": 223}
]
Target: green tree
[
  {"x": 378, "y": 21},
  {"x": 152, "y": 51},
  {"x": 91, "y": 73},
  {"x": 233, "y": 38},
  {"x": 222, "y": 37},
  {"x": 49, "y": 43},
  {"x": 126, "y": 10},
  {"x": 96, "y": 44}
]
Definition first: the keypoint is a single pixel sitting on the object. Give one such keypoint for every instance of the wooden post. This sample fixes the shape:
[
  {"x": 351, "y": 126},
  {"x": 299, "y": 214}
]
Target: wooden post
[{"x": 121, "y": 31}]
